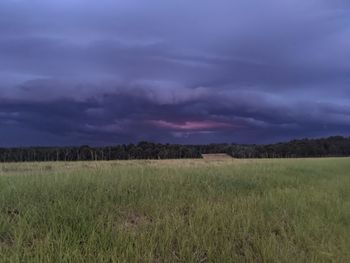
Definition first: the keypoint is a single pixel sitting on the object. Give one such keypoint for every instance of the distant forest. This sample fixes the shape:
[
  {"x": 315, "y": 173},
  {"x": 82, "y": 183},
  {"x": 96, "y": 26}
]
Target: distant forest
[{"x": 326, "y": 147}]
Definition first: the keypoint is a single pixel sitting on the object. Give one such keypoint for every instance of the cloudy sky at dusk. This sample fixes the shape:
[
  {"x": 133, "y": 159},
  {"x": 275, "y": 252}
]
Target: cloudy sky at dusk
[{"x": 119, "y": 71}]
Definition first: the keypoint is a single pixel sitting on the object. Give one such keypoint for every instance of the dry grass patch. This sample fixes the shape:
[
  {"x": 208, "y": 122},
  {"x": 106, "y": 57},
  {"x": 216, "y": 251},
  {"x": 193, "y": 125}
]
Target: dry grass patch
[
  {"x": 134, "y": 220},
  {"x": 216, "y": 156}
]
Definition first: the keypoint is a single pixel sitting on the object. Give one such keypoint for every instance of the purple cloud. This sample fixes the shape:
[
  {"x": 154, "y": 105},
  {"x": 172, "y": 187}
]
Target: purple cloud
[{"x": 87, "y": 72}]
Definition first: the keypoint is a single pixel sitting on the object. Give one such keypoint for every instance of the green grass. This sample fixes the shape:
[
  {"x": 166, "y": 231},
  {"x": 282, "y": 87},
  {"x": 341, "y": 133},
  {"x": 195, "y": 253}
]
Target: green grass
[{"x": 295, "y": 210}]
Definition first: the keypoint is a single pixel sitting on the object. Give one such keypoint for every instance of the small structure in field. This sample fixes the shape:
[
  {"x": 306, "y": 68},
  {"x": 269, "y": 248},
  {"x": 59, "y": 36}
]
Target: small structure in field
[{"x": 216, "y": 156}]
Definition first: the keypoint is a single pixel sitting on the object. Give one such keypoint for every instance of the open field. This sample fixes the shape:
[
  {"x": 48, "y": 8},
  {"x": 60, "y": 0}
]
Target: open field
[{"x": 292, "y": 210}]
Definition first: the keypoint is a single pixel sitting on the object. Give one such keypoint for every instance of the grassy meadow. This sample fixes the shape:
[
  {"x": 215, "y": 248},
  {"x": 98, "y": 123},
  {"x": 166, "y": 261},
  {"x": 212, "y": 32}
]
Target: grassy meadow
[{"x": 291, "y": 210}]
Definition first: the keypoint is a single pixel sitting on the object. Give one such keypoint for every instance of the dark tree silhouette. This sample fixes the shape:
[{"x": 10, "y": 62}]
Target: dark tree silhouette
[{"x": 325, "y": 147}]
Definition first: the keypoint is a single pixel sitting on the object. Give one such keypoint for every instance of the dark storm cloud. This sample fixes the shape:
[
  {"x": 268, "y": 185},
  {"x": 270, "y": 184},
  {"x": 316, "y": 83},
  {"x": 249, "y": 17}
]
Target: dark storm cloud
[{"x": 107, "y": 71}]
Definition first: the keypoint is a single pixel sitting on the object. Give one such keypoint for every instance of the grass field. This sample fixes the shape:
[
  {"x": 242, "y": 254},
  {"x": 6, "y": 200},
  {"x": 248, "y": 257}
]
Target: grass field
[{"x": 295, "y": 210}]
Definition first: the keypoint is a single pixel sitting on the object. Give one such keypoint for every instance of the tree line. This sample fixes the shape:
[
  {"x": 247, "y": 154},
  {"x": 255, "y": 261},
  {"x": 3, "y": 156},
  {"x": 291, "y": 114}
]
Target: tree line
[{"x": 326, "y": 147}]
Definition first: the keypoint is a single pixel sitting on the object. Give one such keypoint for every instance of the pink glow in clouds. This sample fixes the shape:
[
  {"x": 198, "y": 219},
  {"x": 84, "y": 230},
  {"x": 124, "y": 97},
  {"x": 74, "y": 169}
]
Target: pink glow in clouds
[{"x": 191, "y": 125}]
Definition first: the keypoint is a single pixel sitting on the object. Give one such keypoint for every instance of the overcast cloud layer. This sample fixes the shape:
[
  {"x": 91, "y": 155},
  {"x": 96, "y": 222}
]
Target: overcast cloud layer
[{"x": 108, "y": 71}]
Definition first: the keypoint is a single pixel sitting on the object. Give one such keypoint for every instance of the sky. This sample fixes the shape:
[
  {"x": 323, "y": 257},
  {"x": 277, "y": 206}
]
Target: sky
[{"x": 105, "y": 72}]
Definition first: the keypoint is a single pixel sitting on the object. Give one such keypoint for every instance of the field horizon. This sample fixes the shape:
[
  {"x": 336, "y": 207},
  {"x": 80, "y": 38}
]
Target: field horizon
[{"x": 193, "y": 210}]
